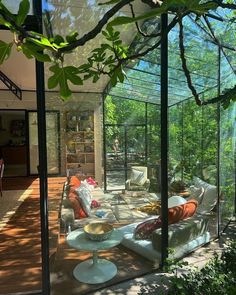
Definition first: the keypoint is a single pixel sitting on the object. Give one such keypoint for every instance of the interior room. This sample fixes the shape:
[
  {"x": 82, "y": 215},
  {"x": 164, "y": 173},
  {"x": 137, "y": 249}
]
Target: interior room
[{"x": 13, "y": 142}]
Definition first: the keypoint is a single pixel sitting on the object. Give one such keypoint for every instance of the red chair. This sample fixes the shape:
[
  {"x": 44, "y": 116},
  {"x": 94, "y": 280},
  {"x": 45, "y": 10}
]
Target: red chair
[{"x": 1, "y": 174}]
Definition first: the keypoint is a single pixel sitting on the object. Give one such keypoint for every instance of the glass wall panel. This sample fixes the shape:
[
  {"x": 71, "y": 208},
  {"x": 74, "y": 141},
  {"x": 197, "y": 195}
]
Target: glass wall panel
[
  {"x": 192, "y": 140},
  {"x": 227, "y": 164},
  {"x": 176, "y": 142},
  {"x": 124, "y": 111},
  {"x": 53, "y": 147},
  {"x": 153, "y": 146},
  {"x": 33, "y": 143}
]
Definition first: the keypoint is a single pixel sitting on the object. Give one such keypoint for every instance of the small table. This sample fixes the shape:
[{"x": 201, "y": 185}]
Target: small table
[{"x": 95, "y": 270}]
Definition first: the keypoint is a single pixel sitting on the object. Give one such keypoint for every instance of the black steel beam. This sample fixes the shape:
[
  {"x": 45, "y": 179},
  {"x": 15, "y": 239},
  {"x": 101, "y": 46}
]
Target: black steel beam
[
  {"x": 42, "y": 149},
  {"x": 11, "y": 85},
  {"x": 218, "y": 144},
  {"x": 164, "y": 138}
]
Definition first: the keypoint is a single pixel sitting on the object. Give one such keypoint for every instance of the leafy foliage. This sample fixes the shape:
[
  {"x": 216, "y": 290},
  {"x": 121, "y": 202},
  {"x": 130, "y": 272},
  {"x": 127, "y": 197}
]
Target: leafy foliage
[
  {"x": 111, "y": 55},
  {"x": 5, "y": 50},
  {"x": 61, "y": 77},
  {"x": 217, "y": 277}
]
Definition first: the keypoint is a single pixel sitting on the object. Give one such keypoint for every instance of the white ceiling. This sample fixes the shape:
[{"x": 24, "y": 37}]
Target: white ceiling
[{"x": 66, "y": 17}]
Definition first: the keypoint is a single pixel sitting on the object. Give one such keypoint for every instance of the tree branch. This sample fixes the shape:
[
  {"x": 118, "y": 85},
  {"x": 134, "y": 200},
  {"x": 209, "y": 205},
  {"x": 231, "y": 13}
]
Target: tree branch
[
  {"x": 225, "y": 5},
  {"x": 97, "y": 29},
  {"x": 184, "y": 63},
  {"x": 20, "y": 29},
  {"x": 143, "y": 53},
  {"x": 224, "y": 98},
  {"x": 138, "y": 28}
]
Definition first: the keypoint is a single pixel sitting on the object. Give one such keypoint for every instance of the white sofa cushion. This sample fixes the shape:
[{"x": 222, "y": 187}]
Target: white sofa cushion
[
  {"x": 209, "y": 199},
  {"x": 146, "y": 249},
  {"x": 176, "y": 201},
  {"x": 196, "y": 193}
]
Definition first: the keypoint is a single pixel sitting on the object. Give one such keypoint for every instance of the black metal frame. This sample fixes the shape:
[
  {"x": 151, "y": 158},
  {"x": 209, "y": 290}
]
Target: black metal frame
[
  {"x": 164, "y": 138},
  {"x": 11, "y": 85},
  {"x": 40, "y": 87}
]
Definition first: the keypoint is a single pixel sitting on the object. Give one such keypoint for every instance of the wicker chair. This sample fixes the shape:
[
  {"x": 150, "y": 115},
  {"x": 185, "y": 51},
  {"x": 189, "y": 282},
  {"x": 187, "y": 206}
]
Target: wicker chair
[{"x": 138, "y": 179}]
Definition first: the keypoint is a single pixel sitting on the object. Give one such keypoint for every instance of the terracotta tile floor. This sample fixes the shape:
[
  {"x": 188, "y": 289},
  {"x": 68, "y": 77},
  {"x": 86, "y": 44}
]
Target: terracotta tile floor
[{"x": 20, "y": 247}]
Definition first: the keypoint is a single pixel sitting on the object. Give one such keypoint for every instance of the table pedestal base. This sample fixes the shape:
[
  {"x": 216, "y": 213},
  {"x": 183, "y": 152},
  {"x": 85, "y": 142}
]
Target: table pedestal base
[{"x": 95, "y": 273}]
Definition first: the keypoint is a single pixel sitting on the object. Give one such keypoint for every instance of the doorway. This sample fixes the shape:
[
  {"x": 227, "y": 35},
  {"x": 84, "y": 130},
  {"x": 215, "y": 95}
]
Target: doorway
[
  {"x": 19, "y": 142},
  {"x": 126, "y": 146},
  {"x": 13, "y": 142}
]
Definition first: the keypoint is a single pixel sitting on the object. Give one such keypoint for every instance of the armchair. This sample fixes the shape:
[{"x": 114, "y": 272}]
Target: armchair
[{"x": 138, "y": 179}]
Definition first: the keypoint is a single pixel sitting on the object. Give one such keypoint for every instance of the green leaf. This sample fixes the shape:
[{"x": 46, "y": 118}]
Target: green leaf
[
  {"x": 58, "y": 39},
  {"x": 32, "y": 50},
  {"x": 4, "y": 22},
  {"x": 5, "y": 50},
  {"x": 43, "y": 42},
  {"x": 121, "y": 20},
  {"x": 61, "y": 76},
  {"x": 114, "y": 79},
  {"x": 22, "y": 12},
  {"x": 72, "y": 37}
]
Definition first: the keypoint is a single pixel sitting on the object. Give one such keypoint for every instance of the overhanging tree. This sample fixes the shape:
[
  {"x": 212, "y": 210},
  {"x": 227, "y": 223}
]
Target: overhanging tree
[{"x": 110, "y": 57}]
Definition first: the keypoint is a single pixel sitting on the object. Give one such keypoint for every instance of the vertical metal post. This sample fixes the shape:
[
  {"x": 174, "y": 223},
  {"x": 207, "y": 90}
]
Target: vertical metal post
[
  {"x": 126, "y": 156},
  {"x": 182, "y": 140},
  {"x": 146, "y": 136},
  {"x": 104, "y": 144},
  {"x": 42, "y": 161},
  {"x": 202, "y": 140},
  {"x": 218, "y": 144},
  {"x": 164, "y": 137},
  {"x": 234, "y": 181}
]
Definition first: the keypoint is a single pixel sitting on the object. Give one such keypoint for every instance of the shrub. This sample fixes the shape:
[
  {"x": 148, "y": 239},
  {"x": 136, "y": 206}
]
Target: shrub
[{"x": 217, "y": 277}]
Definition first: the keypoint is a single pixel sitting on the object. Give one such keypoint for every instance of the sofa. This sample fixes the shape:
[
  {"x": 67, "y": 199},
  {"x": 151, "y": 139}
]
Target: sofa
[
  {"x": 183, "y": 238},
  {"x": 184, "y": 235},
  {"x": 113, "y": 207}
]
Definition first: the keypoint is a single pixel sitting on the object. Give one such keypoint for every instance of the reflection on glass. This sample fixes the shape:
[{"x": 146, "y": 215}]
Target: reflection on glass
[
  {"x": 52, "y": 142},
  {"x": 227, "y": 163},
  {"x": 33, "y": 142}
]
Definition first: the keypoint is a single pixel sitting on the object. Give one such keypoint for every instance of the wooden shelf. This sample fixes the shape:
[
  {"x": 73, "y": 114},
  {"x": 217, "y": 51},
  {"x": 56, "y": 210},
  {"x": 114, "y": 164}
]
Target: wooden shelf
[{"x": 78, "y": 141}]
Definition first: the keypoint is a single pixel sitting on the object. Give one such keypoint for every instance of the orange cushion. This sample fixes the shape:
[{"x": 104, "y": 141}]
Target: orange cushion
[
  {"x": 78, "y": 209},
  {"x": 74, "y": 182},
  {"x": 177, "y": 213}
]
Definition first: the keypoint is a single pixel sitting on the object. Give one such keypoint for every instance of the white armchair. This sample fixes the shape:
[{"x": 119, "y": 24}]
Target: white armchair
[{"x": 138, "y": 179}]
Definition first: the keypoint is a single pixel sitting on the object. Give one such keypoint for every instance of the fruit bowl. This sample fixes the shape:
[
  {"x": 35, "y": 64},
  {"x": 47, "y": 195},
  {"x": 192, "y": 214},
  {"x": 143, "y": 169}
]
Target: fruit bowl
[{"x": 98, "y": 231}]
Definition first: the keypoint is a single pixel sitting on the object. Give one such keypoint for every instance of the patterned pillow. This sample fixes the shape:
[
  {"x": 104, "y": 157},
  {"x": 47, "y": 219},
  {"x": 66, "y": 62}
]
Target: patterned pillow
[
  {"x": 137, "y": 177},
  {"x": 77, "y": 207},
  {"x": 144, "y": 230},
  {"x": 85, "y": 198},
  {"x": 74, "y": 182}
]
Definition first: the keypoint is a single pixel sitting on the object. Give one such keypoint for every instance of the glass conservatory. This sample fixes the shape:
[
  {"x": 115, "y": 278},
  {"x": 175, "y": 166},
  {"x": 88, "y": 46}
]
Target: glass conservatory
[{"x": 163, "y": 169}]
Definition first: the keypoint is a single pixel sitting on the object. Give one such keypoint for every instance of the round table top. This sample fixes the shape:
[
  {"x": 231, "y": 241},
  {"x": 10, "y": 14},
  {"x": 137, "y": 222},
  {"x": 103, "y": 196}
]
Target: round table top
[{"x": 78, "y": 240}]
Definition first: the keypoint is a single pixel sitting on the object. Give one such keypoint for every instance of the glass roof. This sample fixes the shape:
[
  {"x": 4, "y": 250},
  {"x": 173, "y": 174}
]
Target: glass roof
[{"x": 201, "y": 41}]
